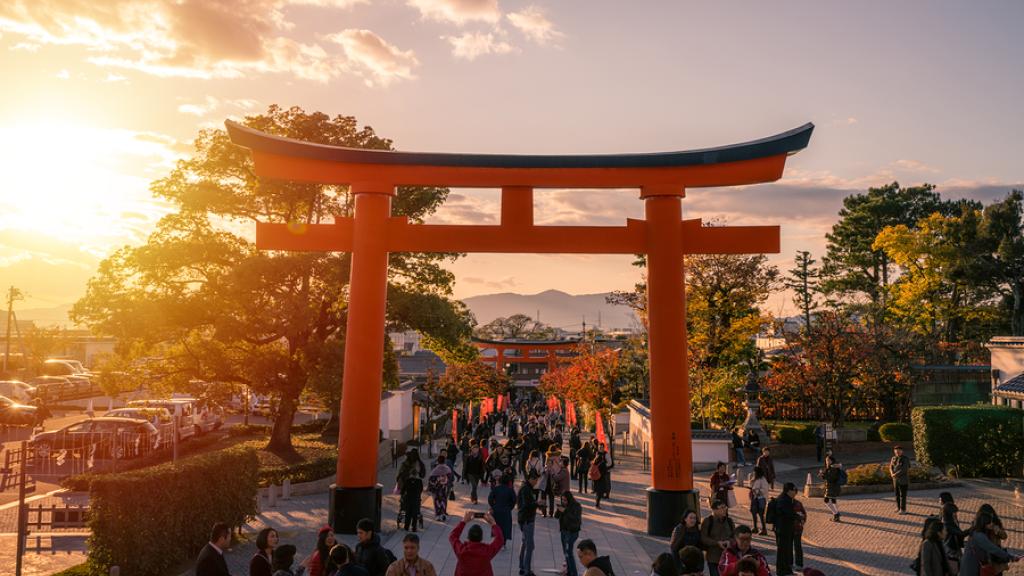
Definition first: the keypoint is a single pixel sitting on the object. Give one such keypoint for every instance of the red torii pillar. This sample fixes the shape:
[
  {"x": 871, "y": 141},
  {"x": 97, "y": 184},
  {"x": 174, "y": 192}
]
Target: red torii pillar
[{"x": 372, "y": 233}]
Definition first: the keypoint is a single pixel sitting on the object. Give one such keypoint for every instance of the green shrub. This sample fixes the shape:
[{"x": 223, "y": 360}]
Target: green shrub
[
  {"x": 875, "y": 474},
  {"x": 981, "y": 440},
  {"x": 796, "y": 433},
  {"x": 82, "y": 569},
  {"x": 896, "y": 432},
  {"x": 301, "y": 472},
  {"x": 149, "y": 520}
]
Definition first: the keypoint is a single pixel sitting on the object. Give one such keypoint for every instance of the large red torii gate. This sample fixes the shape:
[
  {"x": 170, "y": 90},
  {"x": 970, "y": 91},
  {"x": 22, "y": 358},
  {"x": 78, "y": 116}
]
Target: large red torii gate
[{"x": 662, "y": 179}]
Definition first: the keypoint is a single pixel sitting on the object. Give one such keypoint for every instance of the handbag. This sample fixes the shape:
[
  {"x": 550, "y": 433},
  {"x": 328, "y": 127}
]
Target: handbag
[{"x": 595, "y": 472}]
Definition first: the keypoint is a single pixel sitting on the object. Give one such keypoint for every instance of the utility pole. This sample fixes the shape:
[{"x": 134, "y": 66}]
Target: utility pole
[{"x": 12, "y": 295}]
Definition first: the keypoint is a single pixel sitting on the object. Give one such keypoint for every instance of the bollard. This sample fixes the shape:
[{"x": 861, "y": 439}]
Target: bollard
[
  {"x": 272, "y": 496},
  {"x": 115, "y": 571},
  {"x": 286, "y": 489},
  {"x": 810, "y": 479},
  {"x": 1016, "y": 492}
]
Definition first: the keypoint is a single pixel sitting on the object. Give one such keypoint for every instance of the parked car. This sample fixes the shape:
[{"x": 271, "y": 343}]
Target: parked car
[
  {"x": 17, "y": 391},
  {"x": 160, "y": 418},
  {"x": 15, "y": 414},
  {"x": 63, "y": 367},
  {"x": 113, "y": 437},
  {"x": 184, "y": 410}
]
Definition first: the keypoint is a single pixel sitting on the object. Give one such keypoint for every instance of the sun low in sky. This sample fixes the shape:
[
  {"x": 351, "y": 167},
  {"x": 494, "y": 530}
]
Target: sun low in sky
[{"x": 100, "y": 98}]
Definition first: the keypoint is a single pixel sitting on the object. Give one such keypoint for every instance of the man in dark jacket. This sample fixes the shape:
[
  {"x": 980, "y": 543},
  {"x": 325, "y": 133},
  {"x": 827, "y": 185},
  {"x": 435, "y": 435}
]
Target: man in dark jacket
[
  {"x": 369, "y": 553},
  {"x": 570, "y": 520},
  {"x": 211, "y": 558},
  {"x": 526, "y": 502},
  {"x": 899, "y": 469},
  {"x": 595, "y": 565},
  {"x": 785, "y": 529}
]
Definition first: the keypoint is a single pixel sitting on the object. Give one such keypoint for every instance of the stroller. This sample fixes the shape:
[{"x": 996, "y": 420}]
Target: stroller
[{"x": 409, "y": 503}]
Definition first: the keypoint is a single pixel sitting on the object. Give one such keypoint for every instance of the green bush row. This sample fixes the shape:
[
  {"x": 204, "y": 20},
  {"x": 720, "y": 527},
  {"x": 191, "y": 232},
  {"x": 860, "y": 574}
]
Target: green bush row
[
  {"x": 82, "y": 569},
  {"x": 980, "y": 440},
  {"x": 796, "y": 433},
  {"x": 875, "y": 474},
  {"x": 302, "y": 472},
  {"x": 896, "y": 432},
  {"x": 150, "y": 520}
]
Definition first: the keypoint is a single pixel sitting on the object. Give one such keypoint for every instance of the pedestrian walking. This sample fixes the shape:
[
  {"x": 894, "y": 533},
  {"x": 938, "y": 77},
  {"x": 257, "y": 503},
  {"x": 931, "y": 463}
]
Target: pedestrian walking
[
  {"x": 721, "y": 485},
  {"x": 759, "y": 500},
  {"x": 686, "y": 533},
  {"x": 411, "y": 501},
  {"x": 785, "y": 527},
  {"x": 765, "y": 463},
  {"x": 210, "y": 561},
  {"x": 834, "y": 477},
  {"x": 583, "y": 460},
  {"x": 261, "y": 562},
  {"x": 981, "y": 547},
  {"x": 526, "y": 502},
  {"x": 595, "y": 565},
  {"x": 798, "y": 535},
  {"x": 410, "y": 564},
  {"x": 737, "y": 448},
  {"x": 603, "y": 477},
  {"x": 570, "y": 521},
  {"x": 819, "y": 440},
  {"x": 502, "y": 500},
  {"x": 932, "y": 556},
  {"x": 574, "y": 447},
  {"x": 412, "y": 465},
  {"x": 320, "y": 561},
  {"x": 369, "y": 552},
  {"x": 899, "y": 470},
  {"x": 474, "y": 557},
  {"x": 473, "y": 469},
  {"x": 739, "y": 550},
  {"x": 437, "y": 484},
  {"x": 716, "y": 532},
  {"x": 954, "y": 541}
]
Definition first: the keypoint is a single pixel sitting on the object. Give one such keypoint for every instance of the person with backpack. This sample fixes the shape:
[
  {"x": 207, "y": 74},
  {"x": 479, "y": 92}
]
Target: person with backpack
[
  {"x": 716, "y": 532},
  {"x": 834, "y": 477},
  {"x": 798, "y": 535},
  {"x": 526, "y": 502},
  {"x": 759, "y": 500},
  {"x": 595, "y": 565},
  {"x": 600, "y": 473},
  {"x": 369, "y": 552},
  {"x": 785, "y": 526}
]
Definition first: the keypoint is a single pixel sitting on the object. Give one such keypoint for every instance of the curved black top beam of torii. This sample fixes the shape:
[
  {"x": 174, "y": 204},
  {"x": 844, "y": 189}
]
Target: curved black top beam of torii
[{"x": 788, "y": 142}]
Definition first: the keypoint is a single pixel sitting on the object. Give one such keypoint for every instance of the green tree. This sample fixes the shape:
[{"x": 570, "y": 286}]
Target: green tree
[
  {"x": 515, "y": 327},
  {"x": 853, "y": 268},
  {"x": 200, "y": 301},
  {"x": 803, "y": 280},
  {"x": 1002, "y": 227}
]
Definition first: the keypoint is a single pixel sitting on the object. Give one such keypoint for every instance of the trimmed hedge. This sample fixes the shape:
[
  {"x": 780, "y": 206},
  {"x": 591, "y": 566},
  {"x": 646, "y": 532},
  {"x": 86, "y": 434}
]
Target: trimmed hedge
[
  {"x": 82, "y": 569},
  {"x": 150, "y": 520},
  {"x": 896, "y": 432},
  {"x": 875, "y": 474},
  {"x": 794, "y": 433},
  {"x": 873, "y": 435},
  {"x": 980, "y": 440}
]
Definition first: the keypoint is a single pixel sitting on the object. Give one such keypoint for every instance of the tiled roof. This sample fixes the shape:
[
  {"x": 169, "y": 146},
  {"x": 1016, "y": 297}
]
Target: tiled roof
[{"x": 1015, "y": 384}]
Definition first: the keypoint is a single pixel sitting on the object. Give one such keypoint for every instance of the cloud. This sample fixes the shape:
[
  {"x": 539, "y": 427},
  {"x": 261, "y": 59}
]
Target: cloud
[
  {"x": 459, "y": 11},
  {"x": 470, "y": 45},
  {"x": 374, "y": 58},
  {"x": 506, "y": 283},
  {"x": 199, "y": 109},
  {"x": 532, "y": 22},
  {"x": 915, "y": 166},
  {"x": 179, "y": 38}
]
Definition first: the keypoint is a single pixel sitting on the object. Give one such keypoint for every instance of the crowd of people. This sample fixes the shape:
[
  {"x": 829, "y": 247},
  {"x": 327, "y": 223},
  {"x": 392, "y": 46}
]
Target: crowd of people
[{"x": 518, "y": 454}]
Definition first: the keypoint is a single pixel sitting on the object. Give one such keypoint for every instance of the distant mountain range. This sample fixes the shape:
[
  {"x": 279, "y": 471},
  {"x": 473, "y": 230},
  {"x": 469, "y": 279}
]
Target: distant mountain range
[{"x": 556, "y": 309}]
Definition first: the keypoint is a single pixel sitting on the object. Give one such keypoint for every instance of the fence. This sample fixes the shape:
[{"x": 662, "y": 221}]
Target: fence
[{"x": 71, "y": 454}]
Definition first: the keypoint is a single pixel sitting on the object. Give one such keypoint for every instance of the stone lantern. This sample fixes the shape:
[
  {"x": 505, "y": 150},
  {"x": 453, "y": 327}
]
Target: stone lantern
[{"x": 752, "y": 390}]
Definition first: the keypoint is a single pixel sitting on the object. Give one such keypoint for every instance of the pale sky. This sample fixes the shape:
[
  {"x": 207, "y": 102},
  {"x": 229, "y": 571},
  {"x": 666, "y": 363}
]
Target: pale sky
[{"x": 100, "y": 98}]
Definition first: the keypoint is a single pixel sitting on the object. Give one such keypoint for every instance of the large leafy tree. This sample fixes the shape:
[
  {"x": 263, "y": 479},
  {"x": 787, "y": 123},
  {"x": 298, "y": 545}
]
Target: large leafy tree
[
  {"x": 199, "y": 301},
  {"x": 516, "y": 326},
  {"x": 467, "y": 382},
  {"x": 1003, "y": 229},
  {"x": 853, "y": 268}
]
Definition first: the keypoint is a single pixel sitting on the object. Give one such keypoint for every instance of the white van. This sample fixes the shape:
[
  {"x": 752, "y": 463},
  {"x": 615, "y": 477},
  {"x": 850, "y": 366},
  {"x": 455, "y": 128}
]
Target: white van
[{"x": 17, "y": 391}]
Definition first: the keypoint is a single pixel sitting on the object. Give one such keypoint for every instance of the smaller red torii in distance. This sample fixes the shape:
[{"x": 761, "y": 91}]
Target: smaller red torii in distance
[{"x": 662, "y": 235}]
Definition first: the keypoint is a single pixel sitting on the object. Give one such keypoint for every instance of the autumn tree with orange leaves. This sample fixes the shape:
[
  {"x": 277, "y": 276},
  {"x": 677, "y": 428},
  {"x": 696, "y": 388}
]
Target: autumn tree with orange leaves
[{"x": 465, "y": 382}]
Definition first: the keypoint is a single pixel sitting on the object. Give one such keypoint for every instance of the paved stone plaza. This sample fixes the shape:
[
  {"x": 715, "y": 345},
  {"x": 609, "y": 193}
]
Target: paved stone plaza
[{"x": 870, "y": 540}]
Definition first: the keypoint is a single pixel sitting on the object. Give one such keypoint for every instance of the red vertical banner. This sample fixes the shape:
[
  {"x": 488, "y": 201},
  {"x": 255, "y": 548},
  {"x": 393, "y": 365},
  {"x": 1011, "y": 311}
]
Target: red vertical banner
[
  {"x": 455, "y": 425},
  {"x": 500, "y": 398},
  {"x": 570, "y": 413},
  {"x": 600, "y": 430}
]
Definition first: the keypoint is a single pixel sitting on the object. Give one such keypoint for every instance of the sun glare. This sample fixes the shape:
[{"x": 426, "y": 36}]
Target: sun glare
[{"x": 80, "y": 184}]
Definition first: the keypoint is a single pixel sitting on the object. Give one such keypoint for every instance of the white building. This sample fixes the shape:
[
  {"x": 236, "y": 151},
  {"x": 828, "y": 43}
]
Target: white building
[{"x": 1007, "y": 370}]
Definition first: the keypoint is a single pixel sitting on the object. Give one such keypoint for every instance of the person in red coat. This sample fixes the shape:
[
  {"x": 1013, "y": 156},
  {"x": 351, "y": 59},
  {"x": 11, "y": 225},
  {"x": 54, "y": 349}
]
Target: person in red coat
[{"x": 475, "y": 556}]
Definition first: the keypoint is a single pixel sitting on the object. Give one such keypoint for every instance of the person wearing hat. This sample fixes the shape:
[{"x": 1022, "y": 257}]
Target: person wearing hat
[
  {"x": 320, "y": 561},
  {"x": 899, "y": 469}
]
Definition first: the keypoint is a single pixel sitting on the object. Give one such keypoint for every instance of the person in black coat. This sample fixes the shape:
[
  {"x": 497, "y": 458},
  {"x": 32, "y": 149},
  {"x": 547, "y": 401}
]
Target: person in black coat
[
  {"x": 369, "y": 552},
  {"x": 785, "y": 529},
  {"x": 211, "y": 558}
]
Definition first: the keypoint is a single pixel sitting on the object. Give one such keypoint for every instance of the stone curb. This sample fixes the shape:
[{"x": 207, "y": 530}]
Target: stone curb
[{"x": 818, "y": 490}]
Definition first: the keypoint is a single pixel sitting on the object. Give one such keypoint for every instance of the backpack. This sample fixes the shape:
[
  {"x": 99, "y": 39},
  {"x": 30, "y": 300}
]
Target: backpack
[
  {"x": 389, "y": 555},
  {"x": 595, "y": 472},
  {"x": 770, "y": 511},
  {"x": 843, "y": 478}
]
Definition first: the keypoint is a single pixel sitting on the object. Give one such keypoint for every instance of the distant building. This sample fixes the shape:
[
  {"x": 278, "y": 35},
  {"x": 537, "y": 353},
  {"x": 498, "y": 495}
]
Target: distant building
[
  {"x": 405, "y": 343},
  {"x": 418, "y": 365},
  {"x": 1007, "y": 370}
]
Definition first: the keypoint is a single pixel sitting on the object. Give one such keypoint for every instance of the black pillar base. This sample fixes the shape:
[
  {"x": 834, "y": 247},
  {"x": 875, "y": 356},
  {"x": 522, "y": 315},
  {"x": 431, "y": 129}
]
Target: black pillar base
[
  {"x": 666, "y": 507},
  {"x": 350, "y": 505}
]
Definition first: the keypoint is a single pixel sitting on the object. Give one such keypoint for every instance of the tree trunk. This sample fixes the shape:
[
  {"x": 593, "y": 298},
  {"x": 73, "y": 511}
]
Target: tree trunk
[{"x": 281, "y": 436}]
